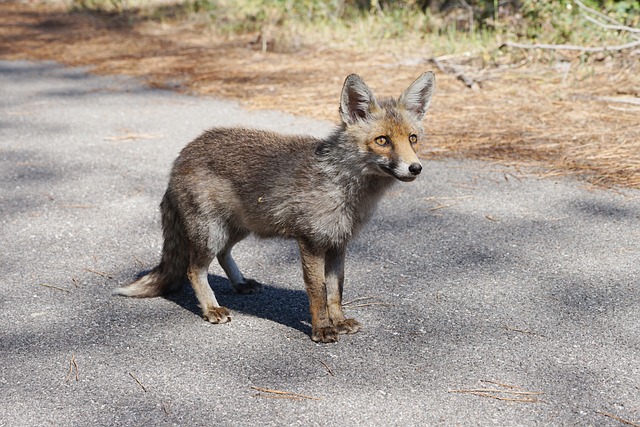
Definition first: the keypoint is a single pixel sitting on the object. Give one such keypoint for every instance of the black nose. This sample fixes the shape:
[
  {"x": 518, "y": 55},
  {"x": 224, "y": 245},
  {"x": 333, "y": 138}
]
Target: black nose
[{"x": 415, "y": 168}]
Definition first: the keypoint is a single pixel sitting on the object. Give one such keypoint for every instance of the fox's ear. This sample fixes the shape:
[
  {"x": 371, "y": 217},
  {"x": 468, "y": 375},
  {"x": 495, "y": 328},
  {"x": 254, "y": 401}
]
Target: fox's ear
[
  {"x": 417, "y": 97},
  {"x": 356, "y": 100}
]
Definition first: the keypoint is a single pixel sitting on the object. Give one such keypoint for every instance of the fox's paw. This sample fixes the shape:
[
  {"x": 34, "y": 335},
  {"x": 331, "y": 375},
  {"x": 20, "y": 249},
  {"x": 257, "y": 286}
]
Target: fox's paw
[
  {"x": 326, "y": 334},
  {"x": 348, "y": 326},
  {"x": 217, "y": 315},
  {"x": 249, "y": 286}
]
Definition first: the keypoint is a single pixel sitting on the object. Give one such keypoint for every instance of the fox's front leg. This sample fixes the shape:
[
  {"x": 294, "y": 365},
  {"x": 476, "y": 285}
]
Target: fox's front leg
[
  {"x": 322, "y": 329},
  {"x": 334, "y": 283}
]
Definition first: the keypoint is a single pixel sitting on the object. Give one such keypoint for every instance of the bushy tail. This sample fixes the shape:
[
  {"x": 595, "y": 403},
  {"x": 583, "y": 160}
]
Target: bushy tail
[{"x": 169, "y": 275}]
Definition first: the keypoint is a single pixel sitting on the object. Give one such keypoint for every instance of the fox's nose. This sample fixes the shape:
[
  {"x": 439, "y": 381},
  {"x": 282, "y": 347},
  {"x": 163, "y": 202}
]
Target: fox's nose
[{"x": 415, "y": 168}]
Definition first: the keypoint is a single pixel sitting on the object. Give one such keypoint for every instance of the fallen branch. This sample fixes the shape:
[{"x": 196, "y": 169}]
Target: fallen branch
[
  {"x": 632, "y": 101},
  {"x": 584, "y": 49},
  {"x": 613, "y": 24},
  {"x": 595, "y": 12},
  {"x": 459, "y": 74}
]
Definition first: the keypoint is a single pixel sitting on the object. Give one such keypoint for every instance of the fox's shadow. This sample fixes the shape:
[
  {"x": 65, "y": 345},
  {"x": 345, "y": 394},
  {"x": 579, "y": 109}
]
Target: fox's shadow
[{"x": 289, "y": 307}]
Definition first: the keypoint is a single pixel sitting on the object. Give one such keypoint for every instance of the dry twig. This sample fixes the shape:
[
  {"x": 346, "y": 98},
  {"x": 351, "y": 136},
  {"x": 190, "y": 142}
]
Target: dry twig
[
  {"x": 521, "y": 396},
  {"x": 613, "y": 24},
  {"x": 131, "y": 136},
  {"x": 508, "y": 399},
  {"x": 370, "y": 304},
  {"x": 99, "y": 273},
  {"x": 612, "y": 27},
  {"x": 279, "y": 394},
  {"x": 46, "y": 285},
  {"x": 438, "y": 207},
  {"x": 164, "y": 408},
  {"x": 617, "y": 418},
  {"x": 522, "y": 331},
  {"x": 496, "y": 390},
  {"x": 138, "y": 381},
  {"x": 632, "y": 101},
  {"x": 598, "y": 49},
  {"x": 358, "y": 299},
  {"x": 329, "y": 370},
  {"x": 72, "y": 364},
  {"x": 508, "y": 393}
]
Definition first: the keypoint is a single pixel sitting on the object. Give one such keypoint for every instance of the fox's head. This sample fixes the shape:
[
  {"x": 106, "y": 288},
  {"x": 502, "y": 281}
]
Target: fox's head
[{"x": 389, "y": 131}]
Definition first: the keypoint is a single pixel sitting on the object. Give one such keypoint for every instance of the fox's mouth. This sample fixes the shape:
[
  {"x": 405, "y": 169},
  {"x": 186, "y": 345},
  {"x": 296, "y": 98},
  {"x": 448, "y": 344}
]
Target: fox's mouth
[{"x": 391, "y": 171}]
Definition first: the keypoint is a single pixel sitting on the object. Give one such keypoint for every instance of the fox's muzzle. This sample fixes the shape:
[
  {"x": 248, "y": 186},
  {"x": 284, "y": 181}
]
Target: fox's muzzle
[{"x": 403, "y": 172}]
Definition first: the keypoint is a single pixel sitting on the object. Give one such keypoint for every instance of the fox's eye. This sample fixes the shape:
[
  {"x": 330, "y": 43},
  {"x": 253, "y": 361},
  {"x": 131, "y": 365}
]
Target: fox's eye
[
  {"x": 413, "y": 138},
  {"x": 383, "y": 141}
]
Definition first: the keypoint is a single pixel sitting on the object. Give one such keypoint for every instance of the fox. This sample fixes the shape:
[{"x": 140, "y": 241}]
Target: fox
[{"x": 231, "y": 182}]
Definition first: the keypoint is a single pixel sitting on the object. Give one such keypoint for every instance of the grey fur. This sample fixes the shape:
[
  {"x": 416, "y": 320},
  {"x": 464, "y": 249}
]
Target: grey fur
[{"x": 230, "y": 182}]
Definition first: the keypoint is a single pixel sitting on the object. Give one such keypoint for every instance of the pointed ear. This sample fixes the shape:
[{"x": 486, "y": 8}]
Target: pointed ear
[
  {"x": 417, "y": 97},
  {"x": 356, "y": 100}
]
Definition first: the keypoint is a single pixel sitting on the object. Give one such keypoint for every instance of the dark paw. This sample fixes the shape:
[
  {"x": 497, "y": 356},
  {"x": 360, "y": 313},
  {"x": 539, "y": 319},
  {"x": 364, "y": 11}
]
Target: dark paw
[
  {"x": 249, "y": 286},
  {"x": 325, "y": 335},
  {"x": 217, "y": 315},
  {"x": 348, "y": 326}
]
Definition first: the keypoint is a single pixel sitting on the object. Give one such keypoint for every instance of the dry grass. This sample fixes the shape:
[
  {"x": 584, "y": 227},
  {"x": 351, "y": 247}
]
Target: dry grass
[{"x": 558, "y": 119}]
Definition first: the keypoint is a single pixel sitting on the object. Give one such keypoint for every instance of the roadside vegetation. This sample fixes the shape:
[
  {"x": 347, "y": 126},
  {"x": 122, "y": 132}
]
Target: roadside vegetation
[
  {"x": 552, "y": 86},
  {"x": 448, "y": 26}
]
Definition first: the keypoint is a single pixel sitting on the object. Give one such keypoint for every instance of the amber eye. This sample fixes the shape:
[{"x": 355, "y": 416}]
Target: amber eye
[
  {"x": 383, "y": 141},
  {"x": 413, "y": 138}
]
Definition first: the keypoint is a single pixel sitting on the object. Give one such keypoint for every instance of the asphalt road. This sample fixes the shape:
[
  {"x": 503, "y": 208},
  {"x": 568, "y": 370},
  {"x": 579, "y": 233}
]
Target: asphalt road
[{"x": 474, "y": 277}]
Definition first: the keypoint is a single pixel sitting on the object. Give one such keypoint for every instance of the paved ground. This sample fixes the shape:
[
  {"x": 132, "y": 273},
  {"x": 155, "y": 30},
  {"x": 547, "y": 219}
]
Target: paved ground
[{"x": 481, "y": 279}]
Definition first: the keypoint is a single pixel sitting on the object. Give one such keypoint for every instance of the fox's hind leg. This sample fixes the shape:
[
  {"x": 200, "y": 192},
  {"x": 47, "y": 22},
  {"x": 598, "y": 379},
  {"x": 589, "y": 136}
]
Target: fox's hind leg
[
  {"x": 334, "y": 283},
  {"x": 208, "y": 238},
  {"x": 198, "y": 273},
  {"x": 238, "y": 281}
]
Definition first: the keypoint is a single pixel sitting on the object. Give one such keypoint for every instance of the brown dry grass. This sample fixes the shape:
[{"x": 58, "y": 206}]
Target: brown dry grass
[{"x": 532, "y": 115}]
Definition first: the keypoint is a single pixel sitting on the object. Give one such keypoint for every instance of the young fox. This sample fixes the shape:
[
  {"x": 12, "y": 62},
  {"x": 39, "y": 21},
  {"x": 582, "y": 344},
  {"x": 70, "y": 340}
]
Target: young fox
[{"x": 230, "y": 182}]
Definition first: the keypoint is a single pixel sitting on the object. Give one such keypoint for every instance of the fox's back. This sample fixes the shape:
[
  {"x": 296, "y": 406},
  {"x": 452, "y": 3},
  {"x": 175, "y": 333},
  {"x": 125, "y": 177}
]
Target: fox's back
[
  {"x": 258, "y": 180},
  {"x": 244, "y": 156}
]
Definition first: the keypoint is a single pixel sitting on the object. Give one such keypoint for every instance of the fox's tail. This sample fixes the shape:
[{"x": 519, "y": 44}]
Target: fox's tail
[{"x": 169, "y": 275}]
